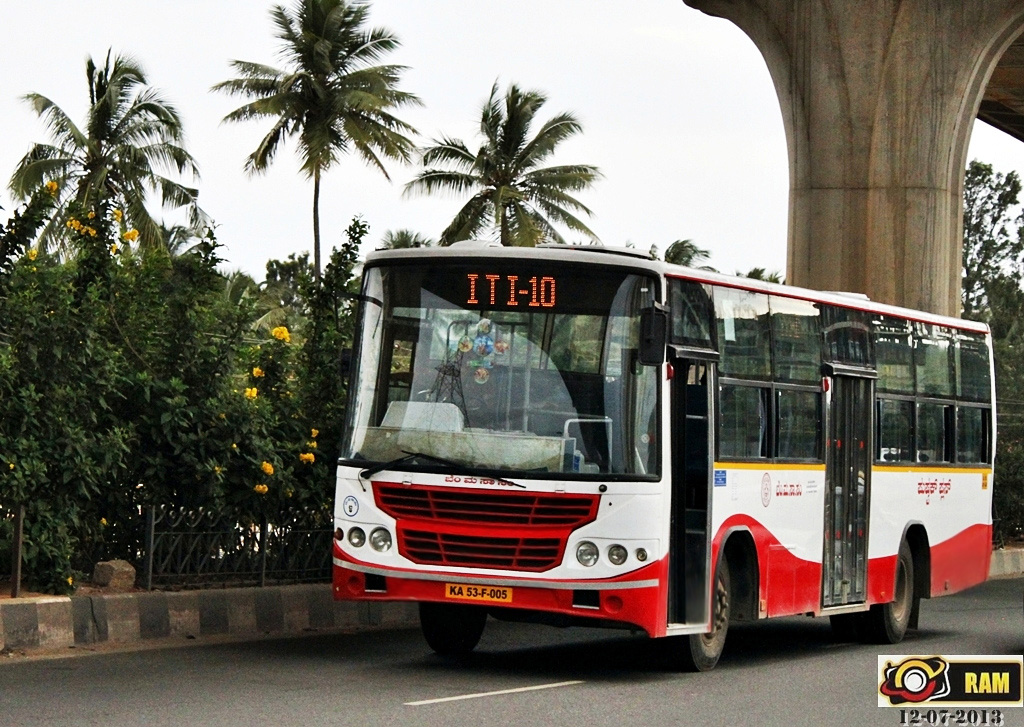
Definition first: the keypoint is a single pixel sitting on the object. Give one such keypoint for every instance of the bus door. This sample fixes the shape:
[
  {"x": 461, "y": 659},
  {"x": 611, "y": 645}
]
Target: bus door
[
  {"x": 690, "y": 440},
  {"x": 848, "y": 487}
]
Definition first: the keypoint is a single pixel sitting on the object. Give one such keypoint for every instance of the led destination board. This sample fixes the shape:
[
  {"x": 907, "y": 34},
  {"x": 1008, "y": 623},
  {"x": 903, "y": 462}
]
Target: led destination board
[{"x": 538, "y": 291}]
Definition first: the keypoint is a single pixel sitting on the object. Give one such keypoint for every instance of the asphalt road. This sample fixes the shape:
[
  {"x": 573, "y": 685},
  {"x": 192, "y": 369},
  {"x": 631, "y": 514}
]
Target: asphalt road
[{"x": 780, "y": 673}]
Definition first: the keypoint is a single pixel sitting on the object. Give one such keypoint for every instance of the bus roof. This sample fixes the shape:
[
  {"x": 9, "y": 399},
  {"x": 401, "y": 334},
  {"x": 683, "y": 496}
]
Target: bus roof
[{"x": 633, "y": 258}]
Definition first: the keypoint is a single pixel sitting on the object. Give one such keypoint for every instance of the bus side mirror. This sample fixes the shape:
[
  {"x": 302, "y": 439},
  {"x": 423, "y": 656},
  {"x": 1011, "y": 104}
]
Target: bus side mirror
[{"x": 653, "y": 335}]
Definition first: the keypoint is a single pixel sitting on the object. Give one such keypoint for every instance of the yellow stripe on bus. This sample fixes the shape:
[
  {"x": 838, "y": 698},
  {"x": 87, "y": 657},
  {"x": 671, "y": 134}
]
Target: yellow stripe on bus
[
  {"x": 907, "y": 469},
  {"x": 768, "y": 466}
]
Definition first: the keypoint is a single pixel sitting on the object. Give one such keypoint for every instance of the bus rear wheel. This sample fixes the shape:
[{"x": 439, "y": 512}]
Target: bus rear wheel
[
  {"x": 887, "y": 623},
  {"x": 452, "y": 629},
  {"x": 700, "y": 652}
]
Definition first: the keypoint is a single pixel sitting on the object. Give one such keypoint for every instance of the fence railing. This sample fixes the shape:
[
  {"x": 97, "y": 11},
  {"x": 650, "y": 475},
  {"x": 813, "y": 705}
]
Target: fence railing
[
  {"x": 173, "y": 547},
  {"x": 197, "y": 548}
]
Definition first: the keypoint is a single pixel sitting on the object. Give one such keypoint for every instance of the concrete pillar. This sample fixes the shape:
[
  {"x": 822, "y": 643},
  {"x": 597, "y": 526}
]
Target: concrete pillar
[{"x": 878, "y": 99}]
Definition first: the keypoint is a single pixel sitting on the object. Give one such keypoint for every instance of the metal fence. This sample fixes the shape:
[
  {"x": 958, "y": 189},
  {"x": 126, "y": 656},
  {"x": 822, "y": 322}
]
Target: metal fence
[
  {"x": 6, "y": 543},
  {"x": 203, "y": 548}
]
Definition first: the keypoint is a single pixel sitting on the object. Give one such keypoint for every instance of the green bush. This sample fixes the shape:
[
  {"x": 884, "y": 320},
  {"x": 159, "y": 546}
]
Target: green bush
[{"x": 128, "y": 377}]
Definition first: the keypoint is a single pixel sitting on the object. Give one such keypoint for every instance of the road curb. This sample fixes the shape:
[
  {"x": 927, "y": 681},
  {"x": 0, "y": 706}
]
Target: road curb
[
  {"x": 1007, "y": 563},
  {"x": 55, "y": 622}
]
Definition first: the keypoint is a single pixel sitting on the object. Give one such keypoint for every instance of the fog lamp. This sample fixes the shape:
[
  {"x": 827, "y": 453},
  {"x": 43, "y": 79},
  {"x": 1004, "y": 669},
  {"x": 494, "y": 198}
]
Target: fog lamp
[{"x": 356, "y": 537}]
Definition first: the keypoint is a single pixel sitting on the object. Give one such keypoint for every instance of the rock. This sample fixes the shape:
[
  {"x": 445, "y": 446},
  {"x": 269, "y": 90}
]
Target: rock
[{"x": 118, "y": 575}]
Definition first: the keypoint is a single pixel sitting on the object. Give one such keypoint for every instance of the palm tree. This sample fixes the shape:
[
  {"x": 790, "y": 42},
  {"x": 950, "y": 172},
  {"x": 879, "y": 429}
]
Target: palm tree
[
  {"x": 401, "y": 239},
  {"x": 330, "y": 95},
  {"x": 510, "y": 191},
  {"x": 762, "y": 274},
  {"x": 131, "y": 135},
  {"x": 686, "y": 252}
]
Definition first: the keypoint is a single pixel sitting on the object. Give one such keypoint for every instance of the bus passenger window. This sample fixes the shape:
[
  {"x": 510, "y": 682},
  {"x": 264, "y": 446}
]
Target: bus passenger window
[
  {"x": 744, "y": 422},
  {"x": 971, "y": 440},
  {"x": 931, "y": 433},
  {"x": 894, "y": 356},
  {"x": 895, "y": 431},
  {"x": 798, "y": 424},
  {"x": 691, "y": 313},
  {"x": 743, "y": 334},
  {"x": 933, "y": 360},
  {"x": 974, "y": 377}
]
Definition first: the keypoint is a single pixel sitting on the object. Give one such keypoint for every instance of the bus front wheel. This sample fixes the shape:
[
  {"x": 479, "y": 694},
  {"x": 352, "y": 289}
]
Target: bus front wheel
[
  {"x": 451, "y": 629},
  {"x": 700, "y": 652}
]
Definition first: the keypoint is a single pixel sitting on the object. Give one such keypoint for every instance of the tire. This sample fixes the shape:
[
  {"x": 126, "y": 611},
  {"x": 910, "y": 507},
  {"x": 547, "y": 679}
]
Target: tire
[
  {"x": 700, "y": 652},
  {"x": 887, "y": 623},
  {"x": 452, "y": 630}
]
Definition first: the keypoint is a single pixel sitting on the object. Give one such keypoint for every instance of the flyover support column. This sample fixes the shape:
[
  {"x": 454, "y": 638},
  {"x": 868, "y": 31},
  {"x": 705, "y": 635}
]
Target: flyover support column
[{"x": 878, "y": 99}]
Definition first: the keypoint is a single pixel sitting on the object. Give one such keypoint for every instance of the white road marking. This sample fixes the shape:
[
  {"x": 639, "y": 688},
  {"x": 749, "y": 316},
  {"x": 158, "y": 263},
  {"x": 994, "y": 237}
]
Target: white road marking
[{"x": 491, "y": 694}]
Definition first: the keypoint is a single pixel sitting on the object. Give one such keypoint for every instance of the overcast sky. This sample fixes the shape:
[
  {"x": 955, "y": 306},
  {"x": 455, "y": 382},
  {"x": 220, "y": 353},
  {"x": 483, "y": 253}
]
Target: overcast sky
[{"x": 678, "y": 111}]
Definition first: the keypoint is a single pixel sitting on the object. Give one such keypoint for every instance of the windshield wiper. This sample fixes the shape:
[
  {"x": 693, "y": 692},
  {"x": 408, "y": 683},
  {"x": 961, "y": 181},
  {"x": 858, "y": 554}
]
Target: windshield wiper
[{"x": 411, "y": 456}]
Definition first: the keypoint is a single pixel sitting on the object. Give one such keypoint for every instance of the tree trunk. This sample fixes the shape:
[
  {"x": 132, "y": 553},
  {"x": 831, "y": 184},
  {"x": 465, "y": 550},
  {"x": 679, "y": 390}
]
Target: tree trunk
[
  {"x": 316, "y": 224},
  {"x": 506, "y": 232}
]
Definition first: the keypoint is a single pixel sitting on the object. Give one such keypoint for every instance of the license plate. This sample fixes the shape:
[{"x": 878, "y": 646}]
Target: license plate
[{"x": 486, "y": 594}]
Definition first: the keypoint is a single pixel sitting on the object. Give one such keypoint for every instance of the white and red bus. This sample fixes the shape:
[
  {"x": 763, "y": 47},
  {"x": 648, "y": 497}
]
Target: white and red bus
[{"x": 577, "y": 435}]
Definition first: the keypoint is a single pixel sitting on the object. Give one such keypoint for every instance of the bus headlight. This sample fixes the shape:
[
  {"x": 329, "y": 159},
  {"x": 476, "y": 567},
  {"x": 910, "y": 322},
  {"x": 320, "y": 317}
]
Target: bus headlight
[
  {"x": 617, "y": 554},
  {"x": 586, "y": 553},
  {"x": 380, "y": 540},
  {"x": 356, "y": 537}
]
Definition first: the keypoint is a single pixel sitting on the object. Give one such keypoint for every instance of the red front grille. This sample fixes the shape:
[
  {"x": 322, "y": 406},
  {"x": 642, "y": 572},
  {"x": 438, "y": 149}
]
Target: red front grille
[
  {"x": 533, "y": 509},
  {"x": 434, "y": 548},
  {"x": 461, "y": 527}
]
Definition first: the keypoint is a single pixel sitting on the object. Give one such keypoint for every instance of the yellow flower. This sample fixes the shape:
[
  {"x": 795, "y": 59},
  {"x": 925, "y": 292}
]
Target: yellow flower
[
  {"x": 218, "y": 469},
  {"x": 71, "y": 581},
  {"x": 234, "y": 445},
  {"x": 281, "y": 334},
  {"x": 289, "y": 492},
  {"x": 103, "y": 521},
  {"x": 311, "y": 445},
  {"x": 51, "y": 187},
  {"x": 307, "y": 457},
  {"x": 261, "y": 489},
  {"x": 117, "y": 215},
  {"x": 251, "y": 394},
  {"x": 257, "y": 372},
  {"x": 131, "y": 236},
  {"x": 222, "y": 415},
  {"x": 268, "y": 469},
  {"x": 75, "y": 224},
  {"x": 32, "y": 254},
  {"x": 11, "y": 465},
  {"x": 113, "y": 249},
  {"x": 90, "y": 231},
  {"x": 91, "y": 215},
  {"x": 314, "y": 433}
]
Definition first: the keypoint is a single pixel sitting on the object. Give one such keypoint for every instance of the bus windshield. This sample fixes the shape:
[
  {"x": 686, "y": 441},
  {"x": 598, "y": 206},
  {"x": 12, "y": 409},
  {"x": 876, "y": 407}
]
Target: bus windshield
[{"x": 511, "y": 366}]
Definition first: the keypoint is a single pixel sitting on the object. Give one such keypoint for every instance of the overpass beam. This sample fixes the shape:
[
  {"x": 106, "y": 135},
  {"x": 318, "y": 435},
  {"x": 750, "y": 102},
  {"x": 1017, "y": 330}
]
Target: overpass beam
[{"x": 878, "y": 99}]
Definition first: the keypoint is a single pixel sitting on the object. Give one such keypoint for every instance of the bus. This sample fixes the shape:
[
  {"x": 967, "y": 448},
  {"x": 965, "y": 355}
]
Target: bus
[{"x": 584, "y": 436}]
